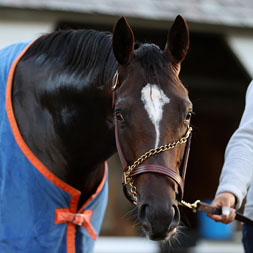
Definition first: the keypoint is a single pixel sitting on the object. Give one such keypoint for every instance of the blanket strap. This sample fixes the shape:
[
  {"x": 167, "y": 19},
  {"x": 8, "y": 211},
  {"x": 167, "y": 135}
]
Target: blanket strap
[{"x": 80, "y": 219}]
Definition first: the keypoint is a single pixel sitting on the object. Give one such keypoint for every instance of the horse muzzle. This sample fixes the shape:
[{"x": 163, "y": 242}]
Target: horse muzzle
[
  {"x": 159, "y": 222},
  {"x": 158, "y": 212}
]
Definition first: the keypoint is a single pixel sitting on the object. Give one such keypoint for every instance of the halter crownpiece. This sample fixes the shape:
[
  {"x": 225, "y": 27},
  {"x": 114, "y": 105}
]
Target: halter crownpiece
[{"x": 136, "y": 169}]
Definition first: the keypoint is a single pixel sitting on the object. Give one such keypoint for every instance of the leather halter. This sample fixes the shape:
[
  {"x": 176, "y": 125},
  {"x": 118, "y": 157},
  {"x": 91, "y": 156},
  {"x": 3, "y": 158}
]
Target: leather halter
[{"x": 137, "y": 168}]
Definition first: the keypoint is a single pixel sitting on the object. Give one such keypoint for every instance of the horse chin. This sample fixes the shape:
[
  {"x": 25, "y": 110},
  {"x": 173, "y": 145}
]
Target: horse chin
[{"x": 161, "y": 237}]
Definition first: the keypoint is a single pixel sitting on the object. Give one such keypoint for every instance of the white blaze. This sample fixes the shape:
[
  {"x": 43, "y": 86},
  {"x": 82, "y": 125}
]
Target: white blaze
[{"x": 154, "y": 99}]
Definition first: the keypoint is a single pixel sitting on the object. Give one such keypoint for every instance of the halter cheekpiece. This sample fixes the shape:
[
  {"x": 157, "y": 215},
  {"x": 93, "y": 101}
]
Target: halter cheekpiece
[{"x": 137, "y": 168}]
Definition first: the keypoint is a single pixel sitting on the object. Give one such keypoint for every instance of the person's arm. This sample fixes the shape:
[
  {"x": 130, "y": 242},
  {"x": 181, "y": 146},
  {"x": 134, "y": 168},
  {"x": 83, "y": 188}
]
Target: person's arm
[{"x": 237, "y": 170}]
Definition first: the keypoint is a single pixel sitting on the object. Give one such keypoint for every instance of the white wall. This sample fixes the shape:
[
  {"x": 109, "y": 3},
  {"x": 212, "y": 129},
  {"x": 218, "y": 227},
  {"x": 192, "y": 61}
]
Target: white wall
[
  {"x": 242, "y": 46},
  {"x": 14, "y": 31}
]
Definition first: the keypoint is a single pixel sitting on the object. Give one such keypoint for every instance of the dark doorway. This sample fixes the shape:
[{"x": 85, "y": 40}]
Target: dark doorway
[{"x": 217, "y": 84}]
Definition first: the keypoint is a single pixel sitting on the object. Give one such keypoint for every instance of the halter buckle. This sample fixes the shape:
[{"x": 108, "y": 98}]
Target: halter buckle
[
  {"x": 125, "y": 178},
  {"x": 115, "y": 80}
]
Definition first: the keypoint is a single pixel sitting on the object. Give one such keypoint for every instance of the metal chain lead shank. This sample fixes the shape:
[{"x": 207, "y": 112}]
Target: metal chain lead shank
[{"x": 127, "y": 174}]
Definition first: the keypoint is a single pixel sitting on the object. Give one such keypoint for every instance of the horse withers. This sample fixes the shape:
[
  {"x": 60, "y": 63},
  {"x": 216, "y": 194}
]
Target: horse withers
[{"x": 57, "y": 129}]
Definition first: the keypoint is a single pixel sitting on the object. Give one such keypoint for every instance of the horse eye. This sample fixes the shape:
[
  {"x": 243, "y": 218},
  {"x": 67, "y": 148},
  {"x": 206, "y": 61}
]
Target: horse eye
[
  {"x": 119, "y": 116},
  {"x": 188, "y": 116}
]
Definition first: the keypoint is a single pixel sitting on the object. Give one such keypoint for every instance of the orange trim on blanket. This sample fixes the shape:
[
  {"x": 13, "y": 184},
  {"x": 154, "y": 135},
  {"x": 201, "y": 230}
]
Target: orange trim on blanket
[
  {"x": 97, "y": 191},
  {"x": 20, "y": 141},
  {"x": 71, "y": 229}
]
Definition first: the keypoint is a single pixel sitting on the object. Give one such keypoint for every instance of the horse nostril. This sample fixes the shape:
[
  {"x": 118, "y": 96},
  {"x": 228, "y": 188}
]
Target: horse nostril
[
  {"x": 175, "y": 217},
  {"x": 143, "y": 211},
  {"x": 143, "y": 214},
  {"x": 159, "y": 221}
]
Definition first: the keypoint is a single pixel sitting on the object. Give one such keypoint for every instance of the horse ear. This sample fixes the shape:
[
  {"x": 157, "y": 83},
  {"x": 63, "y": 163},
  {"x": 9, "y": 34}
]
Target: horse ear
[
  {"x": 178, "y": 40},
  {"x": 123, "y": 41}
]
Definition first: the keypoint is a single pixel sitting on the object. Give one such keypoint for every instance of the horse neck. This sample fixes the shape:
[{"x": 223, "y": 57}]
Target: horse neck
[{"x": 79, "y": 123}]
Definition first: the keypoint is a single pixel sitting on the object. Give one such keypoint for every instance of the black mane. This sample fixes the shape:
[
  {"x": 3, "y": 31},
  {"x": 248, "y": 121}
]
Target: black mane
[{"x": 82, "y": 54}]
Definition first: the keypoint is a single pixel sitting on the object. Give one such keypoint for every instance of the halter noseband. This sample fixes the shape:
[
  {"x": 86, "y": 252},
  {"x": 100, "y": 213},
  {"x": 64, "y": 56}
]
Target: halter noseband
[{"x": 136, "y": 168}]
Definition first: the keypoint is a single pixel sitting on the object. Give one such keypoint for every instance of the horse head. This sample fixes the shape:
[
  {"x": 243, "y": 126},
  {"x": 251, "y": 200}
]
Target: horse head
[{"x": 152, "y": 114}]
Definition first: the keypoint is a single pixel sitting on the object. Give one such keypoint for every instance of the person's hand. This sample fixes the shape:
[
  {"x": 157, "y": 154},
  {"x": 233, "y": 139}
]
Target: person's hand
[{"x": 226, "y": 201}]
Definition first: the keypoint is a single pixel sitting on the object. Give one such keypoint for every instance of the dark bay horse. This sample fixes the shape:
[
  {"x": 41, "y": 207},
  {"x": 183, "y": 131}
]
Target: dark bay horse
[{"x": 59, "y": 107}]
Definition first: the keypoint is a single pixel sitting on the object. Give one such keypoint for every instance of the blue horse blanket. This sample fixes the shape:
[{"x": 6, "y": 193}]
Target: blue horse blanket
[{"x": 38, "y": 211}]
